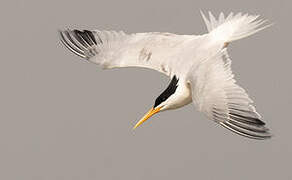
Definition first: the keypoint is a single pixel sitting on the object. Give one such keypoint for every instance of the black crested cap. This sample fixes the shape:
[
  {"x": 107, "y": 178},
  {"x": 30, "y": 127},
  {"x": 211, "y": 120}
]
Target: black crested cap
[{"x": 167, "y": 92}]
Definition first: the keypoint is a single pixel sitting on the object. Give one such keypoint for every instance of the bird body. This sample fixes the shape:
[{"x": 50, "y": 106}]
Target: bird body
[{"x": 198, "y": 65}]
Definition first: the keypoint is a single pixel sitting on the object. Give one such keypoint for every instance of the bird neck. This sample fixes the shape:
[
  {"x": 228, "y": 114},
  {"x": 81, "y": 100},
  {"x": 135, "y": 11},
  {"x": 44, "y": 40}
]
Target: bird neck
[
  {"x": 182, "y": 95},
  {"x": 176, "y": 95}
]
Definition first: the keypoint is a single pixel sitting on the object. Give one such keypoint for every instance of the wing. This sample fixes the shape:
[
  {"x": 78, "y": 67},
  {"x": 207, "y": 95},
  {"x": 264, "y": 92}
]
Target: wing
[
  {"x": 112, "y": 49},
  {"x": 216, "y": 94}
]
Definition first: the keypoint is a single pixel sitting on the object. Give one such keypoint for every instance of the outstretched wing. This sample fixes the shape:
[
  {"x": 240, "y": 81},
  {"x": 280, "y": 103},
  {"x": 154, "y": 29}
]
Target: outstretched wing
[
  {"x": 216, "y": 94},
  {"x": 112, "y": 49}
]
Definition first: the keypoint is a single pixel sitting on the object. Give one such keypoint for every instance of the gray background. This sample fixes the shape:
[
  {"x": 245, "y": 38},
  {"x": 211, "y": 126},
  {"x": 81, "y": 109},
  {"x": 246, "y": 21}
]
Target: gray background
[{"x": 65, "y": 119}]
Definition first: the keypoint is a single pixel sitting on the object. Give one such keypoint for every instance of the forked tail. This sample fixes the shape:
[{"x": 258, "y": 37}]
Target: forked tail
[{"x": 233, "y": 27}]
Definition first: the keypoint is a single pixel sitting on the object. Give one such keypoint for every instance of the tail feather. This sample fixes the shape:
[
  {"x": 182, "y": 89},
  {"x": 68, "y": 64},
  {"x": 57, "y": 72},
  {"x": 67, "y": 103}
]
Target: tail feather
[{"x": 233, "y": 27}]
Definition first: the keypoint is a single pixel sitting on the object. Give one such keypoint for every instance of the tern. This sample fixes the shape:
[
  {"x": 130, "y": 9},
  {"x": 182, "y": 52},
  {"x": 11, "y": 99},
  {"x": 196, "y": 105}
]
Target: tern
[{"x": 199, "y": 67}]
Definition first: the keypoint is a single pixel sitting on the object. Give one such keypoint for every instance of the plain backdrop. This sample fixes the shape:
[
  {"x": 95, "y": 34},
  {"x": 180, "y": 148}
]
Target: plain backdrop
[{"x": 65, "y": 119}]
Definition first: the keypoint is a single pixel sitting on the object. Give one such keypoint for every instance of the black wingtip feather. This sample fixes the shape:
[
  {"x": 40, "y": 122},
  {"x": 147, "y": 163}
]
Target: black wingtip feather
[
  {"x": 246, "y": 126},
  {"x": 245, "y": 132},
  {"x": 248, "y": 119},
  {"x": 78, "y": 35},
  {"x": 69, "y": 44},
  {"x": 90, "y": 34},
  {"x": 79, "y": 42}
]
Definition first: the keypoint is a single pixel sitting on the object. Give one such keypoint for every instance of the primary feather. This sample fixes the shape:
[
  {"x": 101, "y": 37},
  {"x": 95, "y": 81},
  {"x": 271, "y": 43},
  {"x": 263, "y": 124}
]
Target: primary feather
[
  {"x": 200, "y": 62},
  {"x": 216, "y": 94},
  {"x": 117, "y": 49}
]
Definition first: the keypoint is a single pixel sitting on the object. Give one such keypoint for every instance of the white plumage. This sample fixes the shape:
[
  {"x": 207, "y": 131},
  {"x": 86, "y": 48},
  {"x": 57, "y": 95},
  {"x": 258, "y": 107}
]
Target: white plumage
[{"x": 198, "y": 65}]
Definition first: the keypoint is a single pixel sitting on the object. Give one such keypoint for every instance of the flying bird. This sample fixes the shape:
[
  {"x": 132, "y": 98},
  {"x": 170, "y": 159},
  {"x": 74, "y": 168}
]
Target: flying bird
[{"x": 199, "y": 67}]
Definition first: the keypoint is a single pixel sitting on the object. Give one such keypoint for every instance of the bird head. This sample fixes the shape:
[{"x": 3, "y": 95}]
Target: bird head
[{"x": 163, "y": 102}]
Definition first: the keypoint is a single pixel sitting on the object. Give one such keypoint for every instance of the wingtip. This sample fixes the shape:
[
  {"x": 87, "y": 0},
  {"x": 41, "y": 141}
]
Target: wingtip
[
  {"x": 66, "y": 40},
  {"x": 240, "y": 130},
  {"x": 60, "y": 33}
]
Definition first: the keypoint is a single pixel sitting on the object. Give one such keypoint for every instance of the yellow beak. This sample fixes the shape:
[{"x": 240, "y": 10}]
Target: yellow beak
[{"x": 147, "y": 116}]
